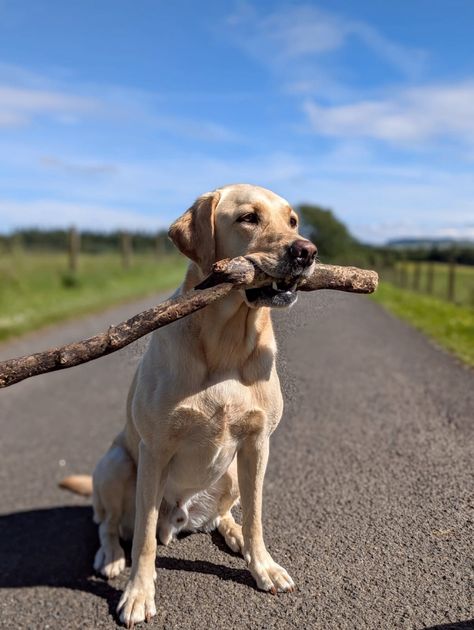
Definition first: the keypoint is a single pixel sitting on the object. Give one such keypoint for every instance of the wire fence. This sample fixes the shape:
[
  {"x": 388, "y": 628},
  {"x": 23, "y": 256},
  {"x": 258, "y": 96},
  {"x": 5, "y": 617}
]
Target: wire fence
[{"x": 446, "y": 281}]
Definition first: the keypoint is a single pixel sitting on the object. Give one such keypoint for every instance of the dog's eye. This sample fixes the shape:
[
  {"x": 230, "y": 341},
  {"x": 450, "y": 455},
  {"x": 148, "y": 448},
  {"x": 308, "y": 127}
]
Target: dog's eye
[
  {"x": 249, "y": 217},
  {"x": 293, "y": 222}
]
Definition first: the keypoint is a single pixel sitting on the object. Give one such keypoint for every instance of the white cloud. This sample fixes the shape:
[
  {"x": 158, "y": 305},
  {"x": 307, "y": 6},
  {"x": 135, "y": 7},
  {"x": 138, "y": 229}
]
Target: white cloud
[
  {"x": 413, "y": 115},
  {"x": 301, "y": 31},
  {"x": 11, "y": 119},
  {"x": 408, "y": 60},
  {"x": 80, "y": 167},
  {"x": 51, "y": 213},
  {"x": 25, "y": 96},
  {"x": 103, "y": 194},
  {"x": 195, "y": 129},
  {"x": 300, "y": 37},
  {"x": 18, "y": 106},
  {"x": 385, "y": 231},
  {"x": 465, "y": 232}
]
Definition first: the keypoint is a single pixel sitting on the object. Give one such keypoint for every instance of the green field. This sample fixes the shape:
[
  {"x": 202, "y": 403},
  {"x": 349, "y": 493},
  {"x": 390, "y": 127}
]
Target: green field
[
  {"x": 36, "y": 289},
  {"x": 449, "y": 325},
  {"x": 464, "y": 280}
]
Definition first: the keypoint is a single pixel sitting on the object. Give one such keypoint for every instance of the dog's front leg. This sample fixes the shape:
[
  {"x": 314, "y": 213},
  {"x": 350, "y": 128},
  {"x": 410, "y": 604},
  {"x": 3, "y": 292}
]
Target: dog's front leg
[
  {"x": 138, "y": 600},
  {"x": 252, "y": 461}
]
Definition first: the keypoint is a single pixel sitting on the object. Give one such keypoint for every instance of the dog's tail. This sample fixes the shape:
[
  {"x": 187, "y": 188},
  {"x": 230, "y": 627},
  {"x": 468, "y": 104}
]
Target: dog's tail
[{"x": 79, "y": 484}]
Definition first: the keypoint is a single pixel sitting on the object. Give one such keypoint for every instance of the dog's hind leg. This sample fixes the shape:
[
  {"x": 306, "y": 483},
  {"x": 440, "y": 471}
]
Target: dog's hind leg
[
  {"x": 114, "y": 481},
  {"x": 231, "y": 532}
]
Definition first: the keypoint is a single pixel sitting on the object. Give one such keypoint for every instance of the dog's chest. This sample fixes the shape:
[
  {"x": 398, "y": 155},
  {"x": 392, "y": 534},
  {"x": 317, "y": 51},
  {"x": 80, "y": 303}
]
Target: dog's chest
[
  {"x": 223, "y": 410},
  {"x": 209, "y": 427}
]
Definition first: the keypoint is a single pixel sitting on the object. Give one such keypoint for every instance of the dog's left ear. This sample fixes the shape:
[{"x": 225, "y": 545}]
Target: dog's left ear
[{"x": 193, "y": 232}]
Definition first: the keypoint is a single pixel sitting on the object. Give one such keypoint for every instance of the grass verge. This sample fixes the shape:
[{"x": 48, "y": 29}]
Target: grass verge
[
  {"x": 37, "y": 290},
  {"x": 451, "y": 326}
]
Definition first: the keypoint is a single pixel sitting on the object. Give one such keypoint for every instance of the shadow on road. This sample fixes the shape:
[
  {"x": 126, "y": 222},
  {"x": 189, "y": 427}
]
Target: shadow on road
[
  {"x": 52, "y": 547},
  {"x": 208, "y": 568},
  {"x": 240, "y": 576},
  {"x": 56, "y": 546}
]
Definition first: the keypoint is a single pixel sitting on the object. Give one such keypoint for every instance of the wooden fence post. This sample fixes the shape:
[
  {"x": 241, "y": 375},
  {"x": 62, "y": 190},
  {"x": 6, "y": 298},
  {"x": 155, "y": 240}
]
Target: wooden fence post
[
  {"x": 451, "y": 281},
  {"x": 416, "y": 276},
  {"x": 430, "y": 278},
  {"x": 126, "y": 249},
  {"x": 399, "y": 275},
  {"x": 403, "y": 276},
  {"x": 74, "y": 247}
]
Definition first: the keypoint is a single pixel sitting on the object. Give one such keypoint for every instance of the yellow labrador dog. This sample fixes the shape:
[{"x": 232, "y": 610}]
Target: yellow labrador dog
[{"x": 204, "y": 402}]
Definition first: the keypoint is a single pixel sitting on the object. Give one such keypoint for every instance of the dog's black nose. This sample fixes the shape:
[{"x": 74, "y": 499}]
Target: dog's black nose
[{"x": 303, "y": 252}]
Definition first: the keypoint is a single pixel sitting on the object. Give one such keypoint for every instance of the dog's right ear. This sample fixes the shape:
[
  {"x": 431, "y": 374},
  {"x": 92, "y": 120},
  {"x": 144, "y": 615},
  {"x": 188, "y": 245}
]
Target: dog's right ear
[{"x": 193, "y": 232}]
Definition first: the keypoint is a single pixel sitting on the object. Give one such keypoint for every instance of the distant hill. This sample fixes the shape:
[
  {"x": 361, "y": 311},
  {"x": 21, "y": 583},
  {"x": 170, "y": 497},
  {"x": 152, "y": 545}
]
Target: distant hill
[
  {"x": 429, "y": 242},
  {"x": 434, "y": 249}
]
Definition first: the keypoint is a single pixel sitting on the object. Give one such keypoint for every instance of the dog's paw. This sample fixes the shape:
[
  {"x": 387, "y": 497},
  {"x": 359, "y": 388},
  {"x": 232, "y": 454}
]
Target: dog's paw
[
  {"x": 109, "y": 562},
  {"x": 270, "y": 576},
  {"x": 232, "y": 534},
  {"x": 137, "y": 603},
  {"x": 234, "y": 539},
  {"x": 235, "y": 542}
]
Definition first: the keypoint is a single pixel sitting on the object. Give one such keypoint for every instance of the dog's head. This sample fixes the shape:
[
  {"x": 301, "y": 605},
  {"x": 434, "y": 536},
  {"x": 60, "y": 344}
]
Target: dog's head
[{"x": 245, "y": 220}]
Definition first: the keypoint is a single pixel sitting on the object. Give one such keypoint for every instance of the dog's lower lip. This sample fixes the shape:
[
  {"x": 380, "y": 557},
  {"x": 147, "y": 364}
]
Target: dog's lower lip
[{"x": 272, "y": 295}]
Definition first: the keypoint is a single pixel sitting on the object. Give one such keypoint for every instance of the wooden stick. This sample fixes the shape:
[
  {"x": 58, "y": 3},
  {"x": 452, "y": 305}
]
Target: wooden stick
[
  {"x": 245, "y": 272},
  {"x": 236, "y": 273}
]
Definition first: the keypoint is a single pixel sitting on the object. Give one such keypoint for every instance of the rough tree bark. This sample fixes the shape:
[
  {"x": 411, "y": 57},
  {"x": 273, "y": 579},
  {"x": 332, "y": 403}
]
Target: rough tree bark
[{"x": 237, "y": 273}]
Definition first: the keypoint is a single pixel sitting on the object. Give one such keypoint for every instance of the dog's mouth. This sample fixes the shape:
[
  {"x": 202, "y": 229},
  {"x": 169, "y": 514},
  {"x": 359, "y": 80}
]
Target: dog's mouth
[{"x": 280, "y": 294}]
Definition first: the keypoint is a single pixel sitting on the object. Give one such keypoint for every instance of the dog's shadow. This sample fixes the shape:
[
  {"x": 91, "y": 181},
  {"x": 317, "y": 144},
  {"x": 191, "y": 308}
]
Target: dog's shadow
[
  {"x": 52, "y": 547},
  {"x": 223, "y": 572},
  {"x": 56, "y": 546}
]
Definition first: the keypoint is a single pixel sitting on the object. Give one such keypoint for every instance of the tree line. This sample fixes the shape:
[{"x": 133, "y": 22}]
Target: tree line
[{"x": 92, "y": 242}]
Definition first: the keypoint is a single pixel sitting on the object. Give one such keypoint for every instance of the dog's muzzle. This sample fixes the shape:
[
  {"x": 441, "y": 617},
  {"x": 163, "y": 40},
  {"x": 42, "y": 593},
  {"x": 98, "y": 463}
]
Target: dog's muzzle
[{"x": 281, "y": 293}]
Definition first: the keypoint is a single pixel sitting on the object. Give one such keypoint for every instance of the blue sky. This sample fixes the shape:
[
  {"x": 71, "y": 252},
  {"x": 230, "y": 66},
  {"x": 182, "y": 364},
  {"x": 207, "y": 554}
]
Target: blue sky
[{"x": 118, "y": 114}]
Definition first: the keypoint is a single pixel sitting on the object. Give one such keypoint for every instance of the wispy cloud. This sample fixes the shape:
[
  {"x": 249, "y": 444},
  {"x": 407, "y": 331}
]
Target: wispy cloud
[
  {"x": 299, "y": 38},
  {"x": 410, "y": 61},
  {"x": 412, "y": 115},
  {"x": 196, "y": 129},
  {"x": 79, "y": 167},
  {"x": 295, "y": 32},
  {"x": 26, "y": 96},
  {"x": 52, "y": 213},
  {"x": 390, "y": 230},
  {"x": 19, "y": 106}
]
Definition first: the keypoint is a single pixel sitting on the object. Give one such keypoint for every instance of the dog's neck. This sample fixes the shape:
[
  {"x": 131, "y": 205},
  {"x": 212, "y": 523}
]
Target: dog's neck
[{"x": 231, "y": 333}]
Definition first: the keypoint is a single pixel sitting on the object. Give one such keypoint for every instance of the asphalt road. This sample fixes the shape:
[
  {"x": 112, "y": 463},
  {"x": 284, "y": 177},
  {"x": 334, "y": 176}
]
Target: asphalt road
[{"x": 368, "y": 496}]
